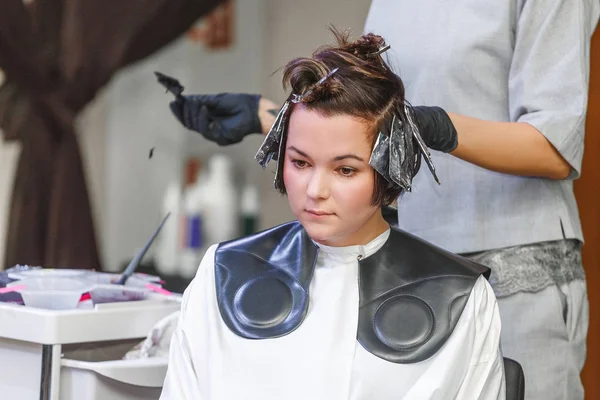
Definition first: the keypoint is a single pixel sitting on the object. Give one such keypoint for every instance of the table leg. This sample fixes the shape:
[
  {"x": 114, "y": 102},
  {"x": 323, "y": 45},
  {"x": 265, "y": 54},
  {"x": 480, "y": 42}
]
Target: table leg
[{"x": 50, "y": 378}]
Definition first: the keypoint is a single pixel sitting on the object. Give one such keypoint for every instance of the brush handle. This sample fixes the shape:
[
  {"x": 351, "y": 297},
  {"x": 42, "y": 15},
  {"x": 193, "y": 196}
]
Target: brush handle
[{"x": 138, "y": 258}]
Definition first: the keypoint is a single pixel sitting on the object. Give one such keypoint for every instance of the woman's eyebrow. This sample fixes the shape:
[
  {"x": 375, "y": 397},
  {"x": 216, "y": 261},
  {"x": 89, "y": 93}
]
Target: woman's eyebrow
[
  {"x": 303, "y": 154},
  {"x": 345, "y": 156},
  {"x": 337, "y": 158}
]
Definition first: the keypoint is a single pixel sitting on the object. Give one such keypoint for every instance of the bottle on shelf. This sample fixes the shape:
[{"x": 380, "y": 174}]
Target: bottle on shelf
[
  {"x": 167, "y": 248},
  {"x": 249, "y": 210},
  {"x": 220, "y": 200},
  {"x": 192, "y": 233}
]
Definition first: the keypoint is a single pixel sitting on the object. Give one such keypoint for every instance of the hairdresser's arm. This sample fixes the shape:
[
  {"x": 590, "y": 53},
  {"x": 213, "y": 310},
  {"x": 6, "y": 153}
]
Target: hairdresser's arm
[
  {"x": 548, "y": 93},
  {"x": 515, "y": 148}
]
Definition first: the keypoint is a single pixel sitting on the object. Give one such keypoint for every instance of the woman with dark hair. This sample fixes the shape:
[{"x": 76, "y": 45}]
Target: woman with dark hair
[{"x": 338, "y": 304}]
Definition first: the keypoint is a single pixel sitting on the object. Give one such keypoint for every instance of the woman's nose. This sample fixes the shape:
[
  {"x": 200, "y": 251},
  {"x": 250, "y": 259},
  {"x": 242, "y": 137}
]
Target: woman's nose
[{"x": 318, "y": 186}]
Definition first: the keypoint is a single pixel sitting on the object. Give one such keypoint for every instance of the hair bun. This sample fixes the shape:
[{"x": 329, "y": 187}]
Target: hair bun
[
  {"x": 366, "y": 47},
  {"x": 356, "y": 59}
]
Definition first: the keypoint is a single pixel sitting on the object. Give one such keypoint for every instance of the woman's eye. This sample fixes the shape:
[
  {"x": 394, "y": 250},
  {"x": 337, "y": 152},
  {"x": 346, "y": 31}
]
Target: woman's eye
[
  {"x": 299, "y": 163},
  {"x": 346, "y": 171}
]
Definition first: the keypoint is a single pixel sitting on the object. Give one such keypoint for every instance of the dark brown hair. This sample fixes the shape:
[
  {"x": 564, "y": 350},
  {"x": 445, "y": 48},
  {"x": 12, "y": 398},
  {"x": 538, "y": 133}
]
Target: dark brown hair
[{"x": 363, "y": 87}]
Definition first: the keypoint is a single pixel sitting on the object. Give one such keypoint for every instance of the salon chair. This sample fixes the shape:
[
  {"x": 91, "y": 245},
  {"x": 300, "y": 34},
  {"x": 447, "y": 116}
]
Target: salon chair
[{"x": 515, "y": 380}]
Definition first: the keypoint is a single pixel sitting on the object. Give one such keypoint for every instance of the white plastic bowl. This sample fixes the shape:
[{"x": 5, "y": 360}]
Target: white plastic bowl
[
  {"x": 52, "y": 293},
  {"x": 48, "y": 273}
]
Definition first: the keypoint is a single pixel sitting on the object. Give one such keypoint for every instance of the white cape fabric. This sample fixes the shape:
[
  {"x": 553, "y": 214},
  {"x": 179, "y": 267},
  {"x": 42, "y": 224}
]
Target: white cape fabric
[{"x": 321, "y": 359}]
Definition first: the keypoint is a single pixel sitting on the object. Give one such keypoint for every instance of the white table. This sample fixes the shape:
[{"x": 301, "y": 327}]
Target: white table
[{"x": 31, "y": 339}]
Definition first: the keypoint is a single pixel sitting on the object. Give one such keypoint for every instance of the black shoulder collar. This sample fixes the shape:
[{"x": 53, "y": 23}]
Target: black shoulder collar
[
  {"x": 411, "y": 297},
  {"x": 411, "y": 292},
  {"x": 262, "y": 281}
]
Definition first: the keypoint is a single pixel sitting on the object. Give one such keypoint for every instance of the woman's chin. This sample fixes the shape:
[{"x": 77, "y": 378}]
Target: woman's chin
[{"x": 319, "y": 234}]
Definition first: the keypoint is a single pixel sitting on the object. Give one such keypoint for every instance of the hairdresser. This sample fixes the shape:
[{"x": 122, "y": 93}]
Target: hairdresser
[{"x": 500, "y": 92}]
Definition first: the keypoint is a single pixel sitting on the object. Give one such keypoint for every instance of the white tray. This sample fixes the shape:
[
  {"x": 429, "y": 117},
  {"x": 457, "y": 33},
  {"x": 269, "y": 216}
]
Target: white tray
[
  {"x": 110, "y": 321},
  {"x": 31, "y": 339}
]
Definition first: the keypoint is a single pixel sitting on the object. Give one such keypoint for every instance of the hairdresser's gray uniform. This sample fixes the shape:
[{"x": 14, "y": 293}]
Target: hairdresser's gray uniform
[{"x": 512, "y": 60}]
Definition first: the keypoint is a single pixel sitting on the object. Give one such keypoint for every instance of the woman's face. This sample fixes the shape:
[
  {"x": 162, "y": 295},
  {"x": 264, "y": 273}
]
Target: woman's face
[{"x": 328, "y": 179}]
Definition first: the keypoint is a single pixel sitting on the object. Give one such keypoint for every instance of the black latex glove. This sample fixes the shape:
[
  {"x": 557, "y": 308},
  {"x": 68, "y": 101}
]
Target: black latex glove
[
  {"x": 224, "y": 118},
  {"x": 436, "y": 128}
]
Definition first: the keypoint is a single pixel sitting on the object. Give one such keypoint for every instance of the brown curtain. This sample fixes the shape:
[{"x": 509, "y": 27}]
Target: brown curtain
[
  {"x": 56, "y": 55},
  {"x": 587, "y": 191}
]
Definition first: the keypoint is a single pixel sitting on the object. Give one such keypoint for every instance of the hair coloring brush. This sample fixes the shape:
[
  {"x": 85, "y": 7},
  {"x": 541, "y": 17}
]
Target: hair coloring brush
[{"x": 138, "y": 258}]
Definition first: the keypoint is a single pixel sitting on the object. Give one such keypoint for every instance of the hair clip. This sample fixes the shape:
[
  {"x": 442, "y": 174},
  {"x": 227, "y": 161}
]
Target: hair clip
[
  {"x": 420, "y": 142},
  {"x": 296, "y": 98},
  {"x": 270, "y": 147},
  {"x": 381, "y": 50},
  {"x": 398, "y": 149}
]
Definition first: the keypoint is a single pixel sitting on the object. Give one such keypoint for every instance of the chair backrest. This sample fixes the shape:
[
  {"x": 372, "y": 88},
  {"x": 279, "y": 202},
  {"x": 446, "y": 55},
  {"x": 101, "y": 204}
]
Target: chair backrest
[{"x": 515, "y": 380}]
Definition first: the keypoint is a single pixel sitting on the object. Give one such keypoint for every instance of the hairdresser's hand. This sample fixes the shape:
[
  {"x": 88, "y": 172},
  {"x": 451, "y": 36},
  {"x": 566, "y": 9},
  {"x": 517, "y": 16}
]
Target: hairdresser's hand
[
  {"x": 267, "y": 110},
  {"x": 224, "y": 118},
  {"x": 436, "y": 128}
]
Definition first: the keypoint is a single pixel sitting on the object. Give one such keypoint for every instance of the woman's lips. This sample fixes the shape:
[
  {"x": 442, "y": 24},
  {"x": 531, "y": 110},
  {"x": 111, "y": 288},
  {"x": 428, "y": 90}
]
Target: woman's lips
[{"x": 318, "y": 213}]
